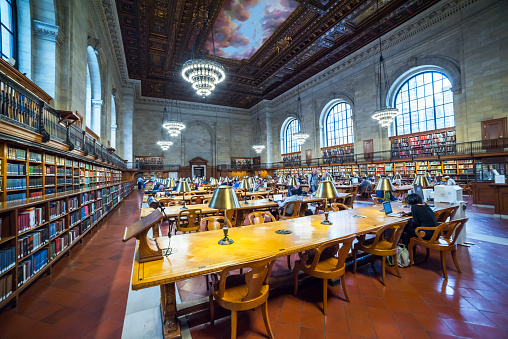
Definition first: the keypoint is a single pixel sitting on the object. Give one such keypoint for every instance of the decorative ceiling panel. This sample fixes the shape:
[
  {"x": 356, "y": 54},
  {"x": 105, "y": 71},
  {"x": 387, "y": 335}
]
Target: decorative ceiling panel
[{"x": 266, "y": 46}]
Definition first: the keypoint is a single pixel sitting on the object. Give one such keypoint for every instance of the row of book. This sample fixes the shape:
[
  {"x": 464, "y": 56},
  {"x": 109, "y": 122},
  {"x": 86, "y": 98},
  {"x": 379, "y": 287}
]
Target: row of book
[
  {"x": 85, "y": 198},
  {"x": 32, "y": 241},
  {"x": 74, "y": 217},
  {"x": 73, "y": 203},
  {"x": 16, "y": 153},
  {"x": 5, "y": 287},
  {"x": 16, "y": 184},
  {"x": 85, "y": 225},
  {"x": 56, "y": 228},
  {"x": 50, "y": 170},
  {"x": 35, "y": 182},
  {"x": 49, "y": 181},
  {"x": 84, "y": 212},
  {"x": 30, "y": 266},
  {"x": 34, "y": 170},
  {"x": 73, "y": 234},
  {"x": 60, "y": 181},
  {"x": 58, "y": 245},
  {"x": 15, "y": 169},
  {"x": 30, "y": 218},
  {"x": 34, "y": 156},
  {"x": 56, "y": 208},
  {"x": 15, "y": 196},
  {"x": 60, "y": 171},
  {"x": 7, "y": 258}
]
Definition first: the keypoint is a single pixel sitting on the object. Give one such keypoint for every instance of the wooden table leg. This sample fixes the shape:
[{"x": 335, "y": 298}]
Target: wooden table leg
[{"x": 170, "y": 325}]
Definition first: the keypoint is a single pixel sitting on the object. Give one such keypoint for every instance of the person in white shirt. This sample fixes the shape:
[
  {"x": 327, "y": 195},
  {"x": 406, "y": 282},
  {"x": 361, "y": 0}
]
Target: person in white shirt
[{"x": 450, "y": 181}]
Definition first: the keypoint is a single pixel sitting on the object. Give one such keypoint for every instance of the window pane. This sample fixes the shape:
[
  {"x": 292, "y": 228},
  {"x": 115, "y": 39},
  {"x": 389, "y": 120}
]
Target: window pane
[
  {"x": 338, "y": 122},
  {"x": 7, "y": 36}
]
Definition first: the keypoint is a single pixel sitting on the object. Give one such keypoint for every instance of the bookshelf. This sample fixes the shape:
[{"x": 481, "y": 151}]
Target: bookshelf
[
  {"x": 339, "y": 153},
  {"x": 240, "y": 162},
  {"x": 425, "y": 144},
  {"x": 149, "y": 162},
  {"x": 292, "y": 159}
]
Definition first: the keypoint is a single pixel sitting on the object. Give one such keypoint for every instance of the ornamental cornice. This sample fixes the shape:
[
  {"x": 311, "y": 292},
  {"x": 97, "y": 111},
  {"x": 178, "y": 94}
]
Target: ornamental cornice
[{"x": 44, "y": 30}]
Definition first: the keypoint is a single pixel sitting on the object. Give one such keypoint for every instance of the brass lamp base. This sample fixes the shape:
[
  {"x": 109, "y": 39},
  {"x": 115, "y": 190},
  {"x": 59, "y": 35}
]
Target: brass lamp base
[
  {"x": 326, "y": 221},
  {"x": 226, "y": 240}
]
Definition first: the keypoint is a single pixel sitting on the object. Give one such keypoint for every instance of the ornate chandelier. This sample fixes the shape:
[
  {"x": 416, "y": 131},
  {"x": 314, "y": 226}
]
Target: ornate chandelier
[
  {"x": 384, "y": 116},
  {"x": 173, "y": 126},
  {"x": 300, "y": 137},
  {"x": 258, "y": 147},
  {"x": 164, "y": 144},
  {"x": 203, "y": 74}
]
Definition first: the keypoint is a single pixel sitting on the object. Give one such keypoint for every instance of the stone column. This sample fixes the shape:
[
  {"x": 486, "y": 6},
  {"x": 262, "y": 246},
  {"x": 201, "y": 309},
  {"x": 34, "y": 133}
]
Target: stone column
[
  {"x": 44, "y": 57},
  {"x": 96, "y": 116},
  {"x": 124, "y": 119}
]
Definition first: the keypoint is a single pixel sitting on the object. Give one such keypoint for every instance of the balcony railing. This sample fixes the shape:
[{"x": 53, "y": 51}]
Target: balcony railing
[
  {"x": 152, "y": 167},
  {"x": 408, "y": 154},
  {"x": 22, "y": 108}
]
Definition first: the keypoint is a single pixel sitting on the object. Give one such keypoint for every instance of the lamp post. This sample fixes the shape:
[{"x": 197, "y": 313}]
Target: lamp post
[
  {"x": 183, "y": 186},
  {"x": 326, "y": 190},
  {"x": 224, "y": 198}
]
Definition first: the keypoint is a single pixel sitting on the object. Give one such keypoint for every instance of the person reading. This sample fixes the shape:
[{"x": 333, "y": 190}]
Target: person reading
[{"x": 422, "y": 216}]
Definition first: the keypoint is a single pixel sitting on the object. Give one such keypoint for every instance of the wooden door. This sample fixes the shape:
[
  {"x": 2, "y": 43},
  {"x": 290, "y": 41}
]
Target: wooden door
[
  {"x": 368, "y": 149},
  {"x": 492, "y": 131},
  {"x": 308, "y": 156}
]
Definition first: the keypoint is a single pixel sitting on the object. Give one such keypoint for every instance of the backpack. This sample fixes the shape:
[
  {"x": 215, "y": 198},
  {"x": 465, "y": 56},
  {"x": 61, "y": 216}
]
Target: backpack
[{"x": 402, "y": 256}]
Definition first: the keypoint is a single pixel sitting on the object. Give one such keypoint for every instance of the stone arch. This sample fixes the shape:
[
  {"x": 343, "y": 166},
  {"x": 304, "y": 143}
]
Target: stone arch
[
  {"x": 186, "y": 155},
  {"x": 341, "y": 97},
  {"x": 288, "y": 118},
  {"x": 94, "y": 90}
]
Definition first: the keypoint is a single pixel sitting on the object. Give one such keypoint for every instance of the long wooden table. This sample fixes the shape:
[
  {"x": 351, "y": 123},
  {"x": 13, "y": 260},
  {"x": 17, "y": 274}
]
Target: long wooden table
[{"x": 204, "y": 195}]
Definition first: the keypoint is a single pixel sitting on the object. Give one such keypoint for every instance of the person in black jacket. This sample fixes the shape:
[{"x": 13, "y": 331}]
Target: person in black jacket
[{"x": 423, "y": 216}]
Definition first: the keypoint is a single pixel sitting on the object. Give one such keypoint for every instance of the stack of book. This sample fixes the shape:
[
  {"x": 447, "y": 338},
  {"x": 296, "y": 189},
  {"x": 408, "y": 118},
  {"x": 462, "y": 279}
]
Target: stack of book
[
  {"x": 32, "y": 241},
  {"x": 56, "y": 228},
  {"x": 30, "y": 218},
  {"x": 33, "y": 264},
  {"x": 56, "y": 209},
  {"x": 58, "y": 245}
]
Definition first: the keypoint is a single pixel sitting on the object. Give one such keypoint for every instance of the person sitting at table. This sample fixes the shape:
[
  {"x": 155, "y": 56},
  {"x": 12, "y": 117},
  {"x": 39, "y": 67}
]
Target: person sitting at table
[
  {"x": 423, "y": 216},
  {"x": 236, "y": 184},
  {"x": 293, "y": 196},
  {"x": 365, "y": 185},
  {"x": 450, "y": 181},
  {"x": 297, "y": 188},
  {"x": 388, "y": 196}
]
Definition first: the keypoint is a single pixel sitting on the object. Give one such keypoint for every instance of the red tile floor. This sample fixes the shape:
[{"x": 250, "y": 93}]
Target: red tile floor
[{"x": 86, "y": 295}]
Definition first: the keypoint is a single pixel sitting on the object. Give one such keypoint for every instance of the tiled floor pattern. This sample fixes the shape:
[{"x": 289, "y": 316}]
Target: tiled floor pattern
[{"x": 85, "y": 296}]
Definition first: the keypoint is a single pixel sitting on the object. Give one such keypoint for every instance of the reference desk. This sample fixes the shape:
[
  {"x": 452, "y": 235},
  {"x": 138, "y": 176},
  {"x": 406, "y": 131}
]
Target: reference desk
[{"x": 199, "y": 253}]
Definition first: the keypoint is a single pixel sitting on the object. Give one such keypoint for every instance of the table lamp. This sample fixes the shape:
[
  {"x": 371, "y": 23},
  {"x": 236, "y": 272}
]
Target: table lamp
[
  {"x": 412, "y": 176},
  {"x": 213, "y": 182},
  {"x": 224, "y": 198},
  {"x": 251, "y": 181},
  {"x": 245, "y": 185},
  {"x": 397, "y": 177},
  {"x": 183, "y": 186},
  {"x": 386, "y": 186},
  {"x": 422, "y": 180},
  {"x": 326, "y": 190},
  {"x": 427, "y": 175},
  {"x": 292, "y": 181}
]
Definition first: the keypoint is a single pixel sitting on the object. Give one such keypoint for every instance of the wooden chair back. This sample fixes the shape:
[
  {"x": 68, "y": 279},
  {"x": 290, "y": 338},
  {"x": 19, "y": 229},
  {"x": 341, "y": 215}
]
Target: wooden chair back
[
  {"x": 336, "y": 251},
  {"x": 255, "y": 279},
  {"x": 189, "y": 221},
  {"x": 296, "y": 209},
  {"x": 259, "y": 197},
  {"x": 259, "y": 217},
  {"x": 451, "y": 227},
  {"x": 446, "y": 214},
  {"x": 212, "y": 223},
  {"x": 166, "y": 202},
  {"x": 348, "y": 200},
  {"x": 337, "y": 206},
  {"x": 193, "y": 200},
  {"x": 231, "y": 215},
  {"x": 393, "y": 238},
  {"x": 377, "y": 200}
]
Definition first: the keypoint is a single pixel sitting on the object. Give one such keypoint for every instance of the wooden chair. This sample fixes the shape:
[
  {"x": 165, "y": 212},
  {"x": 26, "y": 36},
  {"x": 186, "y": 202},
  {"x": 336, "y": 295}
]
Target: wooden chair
[
  {"x": 259, "y": 197},
  {"x": 189, "y": 221},
  {"x": 232, "y": 216},
  {"x": 296, "y": 210},
  {"x": 337, "y": 206},
  {"x": 194, "y": 200},
  {"x": 377, "y": 200},
  {"x": 213, "y": 223},
  {"x": 330, "y": 266},
  {"x": 349, "y": 200},
  {"x": 442, "y": 243},
  {"x": 382, "y": 245},
  {"x": 166, "y": 202},
  {"x": 242, "y": 292},
  {"x": 445, "y": 214},
  {"x": 205, "y": 201},
  {"x": 259, "y": 217}
]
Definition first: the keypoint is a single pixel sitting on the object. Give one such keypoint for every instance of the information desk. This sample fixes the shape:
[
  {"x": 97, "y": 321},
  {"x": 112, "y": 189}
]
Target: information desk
[{"x": 197, "y": 254}]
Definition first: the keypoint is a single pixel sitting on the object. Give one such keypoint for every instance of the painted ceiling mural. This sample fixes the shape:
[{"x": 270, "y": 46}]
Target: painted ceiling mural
[{"x": 244, "y": 25}]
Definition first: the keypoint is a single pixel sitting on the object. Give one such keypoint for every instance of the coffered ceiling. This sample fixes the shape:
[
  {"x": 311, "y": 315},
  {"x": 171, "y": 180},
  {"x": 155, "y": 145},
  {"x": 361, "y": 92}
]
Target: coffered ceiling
[{"x": 266, "y": 46}]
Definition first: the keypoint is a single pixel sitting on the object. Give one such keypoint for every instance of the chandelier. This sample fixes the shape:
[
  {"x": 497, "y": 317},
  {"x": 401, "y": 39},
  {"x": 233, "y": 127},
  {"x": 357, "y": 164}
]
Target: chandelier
[
  {"x": 258, "y": 147},
  {"x": 384, "y": 116},
  {"x": 300, "y": 137},
  {"x": 172, "y": 124},
  {"x": 203, "y": 74},
  {"x": 164, "y": 144}
]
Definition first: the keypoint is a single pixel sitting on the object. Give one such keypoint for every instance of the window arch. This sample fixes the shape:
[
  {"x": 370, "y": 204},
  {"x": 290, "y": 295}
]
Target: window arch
[
  {"x": 425, "y": 101},
  {"x": 290, "y": 128},
  {"x": 7, "y": 27},
  {"x": 93, "y": 92},
  {"x": 339, "y": 125}
]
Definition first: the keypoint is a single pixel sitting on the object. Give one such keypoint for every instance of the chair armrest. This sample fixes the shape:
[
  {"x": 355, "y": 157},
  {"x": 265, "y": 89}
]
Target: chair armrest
[{"x": 420, "y": 232}]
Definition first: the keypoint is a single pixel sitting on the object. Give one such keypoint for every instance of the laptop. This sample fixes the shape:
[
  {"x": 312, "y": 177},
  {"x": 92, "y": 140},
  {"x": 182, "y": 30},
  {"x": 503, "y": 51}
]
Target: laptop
[
  {"x": 388, "y": 210},
  {"x": 278, "y": 197}
]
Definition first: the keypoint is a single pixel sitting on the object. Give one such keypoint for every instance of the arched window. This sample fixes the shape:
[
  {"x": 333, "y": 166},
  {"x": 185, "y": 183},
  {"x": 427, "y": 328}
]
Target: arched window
[
  {"x": 426, "y": 103},
  {"x": 339, "y": 125},
  {"x": 293, "y": 127},
  {"x": 7, "y": 35},
  {"x": 88, "y": 98},
  {"x": 113, "y": 122},
  {"x": 93, "y": 92}
]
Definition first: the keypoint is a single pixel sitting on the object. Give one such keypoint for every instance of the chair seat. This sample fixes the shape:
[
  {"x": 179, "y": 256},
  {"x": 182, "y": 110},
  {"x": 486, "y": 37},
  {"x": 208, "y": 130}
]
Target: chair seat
[
  {"x": 233, "y": 298},
  {"x": 382, "y": 246}
]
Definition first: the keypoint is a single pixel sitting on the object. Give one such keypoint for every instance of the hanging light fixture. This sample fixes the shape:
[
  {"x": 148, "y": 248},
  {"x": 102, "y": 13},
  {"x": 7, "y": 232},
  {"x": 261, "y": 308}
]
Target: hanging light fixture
[
  {"x": 384, "y": 115},
  {"x": 202, "y": 73},
  {"x": 300, "y": 137},
  {"x": 163, "y": 143},
  {"x": 172, "y": 124},
  {"x": 258, "y": 147}
]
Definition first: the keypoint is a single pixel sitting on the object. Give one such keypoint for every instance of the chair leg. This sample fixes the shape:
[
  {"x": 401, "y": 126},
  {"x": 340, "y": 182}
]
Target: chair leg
[
  {"x": 289, "y": 262},
  {"x": 212, "y": 315},
  {"x": 343, "y": 283},
  {"x": 207, "y": 282},
  {"x": 383, "y": 268},
  {"x": 354, "y": 260},
  {"x": 396, "y": 265},
  {"x": 295, "y": 280},
  {"x": 266, "y": 320},
  {"x": 427, "y": 255},
  {"x": 410, "y": 249},
  {"x": 443, "y": 262},
  {"x": 325, "y": 295},
  {"x": 454, "y": 256},
  {"x": 233, "y": 324}
]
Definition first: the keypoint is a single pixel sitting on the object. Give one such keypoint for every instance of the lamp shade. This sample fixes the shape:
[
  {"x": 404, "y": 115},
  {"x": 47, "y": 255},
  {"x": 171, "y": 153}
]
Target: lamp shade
[
  {"x": 412, "y": 175},
  {"x": 292, "y": 181},
  {"x": 213, "y": 182},
  {"x": 385, "y": 185},
  {"x": 172, "y": 183},
  {"x": 439, "y": 174},
  {"x": 422, "y": 181},
  {"x": 347, "y": 176},
  {"x": 327, "y": 190},
  {"x": 245, "y": 184},
  {"x": 183, "y": 186},
  {"x": 251, "y": 181},
  {"x": 397, "y": 177},
  {"x": 224, "y": 198},
  {"x": 427, "y": 175}
]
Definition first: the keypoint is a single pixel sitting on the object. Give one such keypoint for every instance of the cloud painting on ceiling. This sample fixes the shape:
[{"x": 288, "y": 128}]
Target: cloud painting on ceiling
[{"x": 243, "y": 26}]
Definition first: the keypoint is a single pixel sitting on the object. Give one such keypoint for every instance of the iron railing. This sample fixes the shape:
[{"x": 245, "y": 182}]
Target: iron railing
[
  {"x": 22, "y": 108},
  {"x": 470, "y": 148},
  {"x": 152, "y": 167}
]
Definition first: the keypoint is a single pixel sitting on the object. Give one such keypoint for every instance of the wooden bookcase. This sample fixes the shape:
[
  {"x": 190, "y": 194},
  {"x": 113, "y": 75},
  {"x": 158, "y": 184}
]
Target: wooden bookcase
[
  {"x": 425, "y": 144},
  {"x": 48, "y": 203},
  {"x": 292, "y": 159},
  {"x": 344, "y": 152}
]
